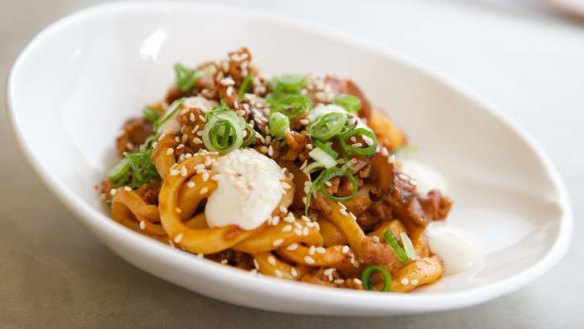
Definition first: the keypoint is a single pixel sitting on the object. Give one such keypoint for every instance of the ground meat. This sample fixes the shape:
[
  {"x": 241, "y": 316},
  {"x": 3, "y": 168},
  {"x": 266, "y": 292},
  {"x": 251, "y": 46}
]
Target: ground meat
[
  {"x": 377, "y": 253},
  {"x": 134, "y": 133},
  {"x": 435, "y": 205},
  {"x": 149, "y": 192}
]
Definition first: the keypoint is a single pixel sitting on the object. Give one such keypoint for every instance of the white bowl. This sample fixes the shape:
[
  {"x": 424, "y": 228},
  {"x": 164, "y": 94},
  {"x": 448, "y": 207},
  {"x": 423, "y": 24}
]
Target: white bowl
[{"x": 77, "y": 81}]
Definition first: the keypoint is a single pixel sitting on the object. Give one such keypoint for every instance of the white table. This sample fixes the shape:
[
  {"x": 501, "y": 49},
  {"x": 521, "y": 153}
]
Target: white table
[{"x": 527, "y": 61}]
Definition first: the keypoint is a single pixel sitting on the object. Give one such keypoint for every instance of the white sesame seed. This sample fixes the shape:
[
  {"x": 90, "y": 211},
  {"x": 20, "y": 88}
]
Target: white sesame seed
[
  {"x": 272, "y": 260},
  {"x": 292, "y": 247},
  {"x": 309, "y": 260},
  {"x": 270, "y": 151},
  {"x": 415, "y": 282},
  {"x": 202, "y": 118},
  {"x": 343, "y": 212},
  {"x": 184, "y": 172},
  {"x": 178, "y": 210},
  {"x": 256, "y": 264},
  {"x": 304, "y": 121},
  {"x": 357, "y": 145},
  {"x": 294, "y": 272},
  {"x": 113, "y": 191},
  {"x": 278, "y": 273},
  {"x": 174, "y": 172},
  {"x": 278, "y": 242},
  {"x": 320, "y": 250},
  {"x": 328, "y": 271},
  {"x": 178, "y": 238},
  {"x": 142, "y": 225},
  {"x": 311, "y": 250},
  {"x": 275, "y": 220},
  {"x": 405, "y": 281},
  {"x": 287, "y": 228},
  {"x": 169, "y": 151},
  {"x": 345, "y": 249},
  {"x": 286, "y": 186},
  {"x": 305, "y": 231},
  {"x": 384, "y": 151},
  {"x": 298, "y": 231},
  {"x": 339, "y": 281},
  {"x": 192, "y": 117},
  {"x": 357, "y": 281},
  {"x": 197, "y": 140},
  {"x": 191, "y": 184},
  {"x": 289, "y": 218},
  {"x": 283, "y": 209},
  {"x": 375, "y": 238},
  {"x": 205, "y": 176},
  {"x": 127, "y": 188}
]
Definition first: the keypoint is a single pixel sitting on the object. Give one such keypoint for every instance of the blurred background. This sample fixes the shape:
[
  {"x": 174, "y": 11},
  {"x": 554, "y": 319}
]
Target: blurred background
[{"x": 524, "y": 56}]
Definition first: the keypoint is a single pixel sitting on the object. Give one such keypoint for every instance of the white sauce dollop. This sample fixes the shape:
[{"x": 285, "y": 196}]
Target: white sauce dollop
[
  {"x": 249, "y": 189},
  {"x": 322, "y": 109},
  {"x": 459, "y": 249},
  {"x": 427, "y": 177},
  {"x": 197, "y": 102}
]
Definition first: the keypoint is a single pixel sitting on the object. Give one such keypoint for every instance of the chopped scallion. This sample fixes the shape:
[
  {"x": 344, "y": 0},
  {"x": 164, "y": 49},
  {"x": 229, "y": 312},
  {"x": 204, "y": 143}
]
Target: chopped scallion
[
  {"x": 369, "y": 142},
  {"x": 366, "y": 277},
  {"x": 350, "y": 103},
  {"x": 327, "y": 126},
  {"x": 151, "y": 113},
  {"x": 245, "y": 84},
  {"x": 119, "y": 171},
  {"x": 185, "y": 77},
  {"x": 401, "y": 254},
  {"x": 279, "y": 124},
  {"x": 408, "y": 245},
  {"x": 291, "y": 105},
  {"x": 322, "y": 157},
  {"x": 289, "y": 83}
]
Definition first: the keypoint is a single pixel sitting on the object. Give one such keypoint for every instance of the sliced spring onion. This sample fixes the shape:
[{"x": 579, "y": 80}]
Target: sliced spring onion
[
  {"x": 249, "y": 136},
  {"x": 350, "y": 103},
  {"x": 151, "y": 113},
  {"x": 119, "y": 171},
  {"x": 279, "y": 124},
  {"x": 370, "y": 142},
  {"x": 223, "y": 132},
  {"x": 327, "y": 126},
  {"x": 401, "y": 254},
  {"x": 245, "y": 84},
  {"x": 185, "y": 77},
  {"x": 326, "y": 149},
  {"x": 291, "y": 105},
  {"x": 408, "y": 245},
  {"x": 289, "y": 83},
  {"x": 312, "y": 167},
  {"x": 323, "y": 157},
  {"x": 141, "y": 168},
  {"x": 170, "y": 112},
  {"x": 319, "y": 185},
  {"x": 369, "y": 270}
]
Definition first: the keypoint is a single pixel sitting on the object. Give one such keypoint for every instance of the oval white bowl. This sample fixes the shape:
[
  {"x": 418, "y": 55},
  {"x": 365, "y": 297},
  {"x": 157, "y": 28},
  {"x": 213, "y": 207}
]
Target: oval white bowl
[{"x": 73, "y": 86}]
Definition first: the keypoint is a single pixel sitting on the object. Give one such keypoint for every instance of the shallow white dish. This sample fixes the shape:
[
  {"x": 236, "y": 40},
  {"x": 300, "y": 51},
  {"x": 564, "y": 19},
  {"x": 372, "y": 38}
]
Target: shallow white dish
[{"x": 77, "y": 81}]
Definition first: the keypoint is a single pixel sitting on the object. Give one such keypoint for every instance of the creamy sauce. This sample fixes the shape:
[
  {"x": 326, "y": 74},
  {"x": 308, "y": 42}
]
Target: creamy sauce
[
  {"x": 427, "y": 177},
  {"x": 200, "y": 103},
  {"x": 322, "y": 109},
  {"x": 459, "y": 249},
  {"x": 249, "y": 189}
]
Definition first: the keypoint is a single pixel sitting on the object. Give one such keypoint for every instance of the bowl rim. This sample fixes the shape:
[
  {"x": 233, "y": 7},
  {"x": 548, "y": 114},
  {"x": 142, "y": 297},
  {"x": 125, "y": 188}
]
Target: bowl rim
[{"x": 361, "y": 300}]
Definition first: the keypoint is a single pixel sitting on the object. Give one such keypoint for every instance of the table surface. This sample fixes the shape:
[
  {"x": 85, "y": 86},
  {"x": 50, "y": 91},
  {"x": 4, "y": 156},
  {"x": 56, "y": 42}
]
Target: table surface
[{"x": 524, "y": 58}]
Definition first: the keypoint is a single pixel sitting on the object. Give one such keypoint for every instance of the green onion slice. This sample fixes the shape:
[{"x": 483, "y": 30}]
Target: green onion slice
[
  {"x": 170, "y": 112},
  {"x": 151, "y": 113},
  {"x": 369, "y": 270},
  {"x": 185, "y": 77},
  {"x": 291, "y": 105},
  {"x": 322, "y": 157},
  {"x": 367, "y": 135},
  {"x": 223, "y": 132},
  {"x": 119, "y": 171},
  {"x": 350, "y": 103},
  {"x": 289, "y": 83},
  {"x": 326, "y": 149},
  {"x": 408, "y": 245},
  {"x": 312, "y": 167},
  {"x": 245, "y": 84},
  {"x": 327, "y": 126},
  {"x": 401, "y": 254},
  {"x": 319, "y": 185},
  {"x": 279, "y": 124}
]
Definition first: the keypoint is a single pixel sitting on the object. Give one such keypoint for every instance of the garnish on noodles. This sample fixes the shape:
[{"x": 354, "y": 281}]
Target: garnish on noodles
[{"x": 293, "y": 176}]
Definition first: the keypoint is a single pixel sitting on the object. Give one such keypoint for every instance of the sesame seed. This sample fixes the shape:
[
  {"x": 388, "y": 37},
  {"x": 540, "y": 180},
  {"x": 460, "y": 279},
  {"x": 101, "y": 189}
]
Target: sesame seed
[
  {"x": 309, "y": 146},
  {"x": 113, "y": 191},
  {"x": 272, "y": 260},
  {"x": 178, "y": 210},
  {"x": 192, "y": 117},
  {"x": 342, "y": 205},
  {"x": 256, "y": 264},
  {"x": 328, "y": 271},
  {"x": 305, "y": 231},
  {"x": 275, "y": 220},
  {"x": 264, "y": 149},
  {"x": 199, "y": 167},
  {"x": 278, "y": 242},
  {"x": 309, "y": 260},
  {"x": 289, "y": 218},
  {"x": 287, "y": 228},
  {"x": 174, "y": 172},
  {"x": 415, "y": 282},
  {"x": 278, "y": 273},
  {"x": 357, "y": 145},
  {"x": 184, "y": 172},
  {"x": 191, "y": 184},
  {"x": 169, "y": 151},
  {"x": 127, "y": 188},
  {"x": 375, "y": 238},
  {"x": 205, "y": 176},
  {"x": 343, "y": 212},
  {"x": 270, "y": 151},
  {"x": 294, "y": 272},
  {"x": 320, "y": 250},
  {"x": 227, "y": 81},
  {"x": 405, "y": 281},
  {"x": 292, "y": 247},
  {"x": 202, "y": 118},
  {"x": 384, "y": 151},
  {"x": 298, "y": 231},
  {"x": 339, "y": 281},
  {"x": 345, "y": 249},
  {"x": 197, "y": 140},
  {"x": 304, "y": 121},
  {"x": 204, "y": 190},
  {"x": 311, "y": 250},
  {"x": 357, "y": 281},
  {"x": 178, "y": 238},
  {"x": 286, "y": 186},
  {"x": 283, "y": 209},
  {"x": 142, "y": 225},
  {"x": 208, "y": 161}
]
